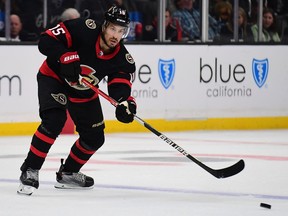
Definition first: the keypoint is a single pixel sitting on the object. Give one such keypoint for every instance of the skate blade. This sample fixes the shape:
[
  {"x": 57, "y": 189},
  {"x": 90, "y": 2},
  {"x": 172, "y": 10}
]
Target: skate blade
[
  {"x": 25, "y": 189},
  {"x": 59, "y": 185}
]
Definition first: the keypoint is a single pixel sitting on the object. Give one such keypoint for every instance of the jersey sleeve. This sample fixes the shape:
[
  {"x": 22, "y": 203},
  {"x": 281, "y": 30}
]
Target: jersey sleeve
[
  {"x": 58, "y": 40},
  {"x": 120, "y": 83}
]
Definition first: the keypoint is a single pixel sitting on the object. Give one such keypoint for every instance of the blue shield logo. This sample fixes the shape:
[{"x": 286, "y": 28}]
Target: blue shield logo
[
  {"x": 166, "y": 70},
  {"x": 260, "y": 71}
]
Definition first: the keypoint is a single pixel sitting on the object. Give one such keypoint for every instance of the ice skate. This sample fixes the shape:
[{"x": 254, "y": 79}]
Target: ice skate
[
  {"x": 29, "y": 180},
  {"x": 70, "y": 180}
]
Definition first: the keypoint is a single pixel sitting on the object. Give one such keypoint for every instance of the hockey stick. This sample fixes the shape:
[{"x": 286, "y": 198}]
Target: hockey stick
[{"x": 218, "y": 173}]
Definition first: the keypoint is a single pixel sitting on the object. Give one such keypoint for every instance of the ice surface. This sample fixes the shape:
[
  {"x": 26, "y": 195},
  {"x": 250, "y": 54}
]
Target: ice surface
[{"x": 139, "y": 174}]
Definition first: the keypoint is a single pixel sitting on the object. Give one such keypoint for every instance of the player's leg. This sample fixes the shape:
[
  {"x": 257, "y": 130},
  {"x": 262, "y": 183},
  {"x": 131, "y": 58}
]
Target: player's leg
[
  {"x": 52, "y": 102},
  {"x": 88, "y": 119}
]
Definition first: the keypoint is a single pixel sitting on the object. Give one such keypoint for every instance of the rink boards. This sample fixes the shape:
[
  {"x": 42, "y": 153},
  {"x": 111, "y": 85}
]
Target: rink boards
[{"x": 177, "y": 87}]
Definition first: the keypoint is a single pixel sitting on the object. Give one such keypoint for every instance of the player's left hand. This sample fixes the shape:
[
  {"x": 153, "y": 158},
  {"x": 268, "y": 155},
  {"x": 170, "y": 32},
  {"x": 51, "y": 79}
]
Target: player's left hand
[
  {"x": 126, "y": 110},
  {"x": 70, "y": 67}
]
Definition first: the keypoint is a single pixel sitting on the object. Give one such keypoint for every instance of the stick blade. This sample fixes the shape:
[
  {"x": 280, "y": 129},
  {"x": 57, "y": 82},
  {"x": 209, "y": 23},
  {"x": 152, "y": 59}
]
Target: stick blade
[{"x": 229, "y": 171}]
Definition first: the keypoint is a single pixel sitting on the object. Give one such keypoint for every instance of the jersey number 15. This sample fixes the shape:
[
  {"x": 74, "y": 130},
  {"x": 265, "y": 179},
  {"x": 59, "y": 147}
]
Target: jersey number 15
[{"x": 57, "y": 30}]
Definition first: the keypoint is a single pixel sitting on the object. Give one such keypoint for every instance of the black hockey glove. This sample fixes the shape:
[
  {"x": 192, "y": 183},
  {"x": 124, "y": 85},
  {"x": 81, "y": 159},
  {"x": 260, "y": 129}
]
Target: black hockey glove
[
  {"x": 125, "y": 110},
  {"x": 70, "y": 67}
]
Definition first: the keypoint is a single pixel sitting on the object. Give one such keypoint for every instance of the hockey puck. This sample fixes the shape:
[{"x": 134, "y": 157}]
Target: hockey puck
[{"x": 265, "y": 205}]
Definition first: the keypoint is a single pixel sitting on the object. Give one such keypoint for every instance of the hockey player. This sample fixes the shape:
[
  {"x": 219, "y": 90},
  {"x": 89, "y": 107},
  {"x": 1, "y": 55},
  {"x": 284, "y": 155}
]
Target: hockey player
[{"x": 79, "y": 47}]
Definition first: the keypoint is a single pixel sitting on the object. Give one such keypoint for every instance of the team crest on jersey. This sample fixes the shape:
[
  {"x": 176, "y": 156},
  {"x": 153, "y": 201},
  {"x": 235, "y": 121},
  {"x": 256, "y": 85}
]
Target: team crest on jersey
[
  {"x": 60, "y": 98},
  {"x": 260, "y": 71},
  {"x": 87, "y": 73},
  {"x": 90, "y": 24},
  {"x": 129, "y": 58},
  {"x": 166, "y": 70}
]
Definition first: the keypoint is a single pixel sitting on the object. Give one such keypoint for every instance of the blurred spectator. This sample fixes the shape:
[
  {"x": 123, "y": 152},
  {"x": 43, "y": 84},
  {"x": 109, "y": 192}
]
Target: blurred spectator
[
  {"x": 280, "y": 7},
  {"x": 251, "y": 9},
  {"x": 269, "y": 32},
  {"x": 32, "y": 14},
  {"x": 16, "y": 30},
  {"x": 14, "y": 9},
  {"x": 172, "y": 26},
  {"x": 222, "y": 12},
  {"x": 190, "y": 21},
  {"x": 69, "y": 13},
  {"x": 212, "y": 5},
  {"x": 136, "y": 18},
  {"x": 227, "y": 31}
]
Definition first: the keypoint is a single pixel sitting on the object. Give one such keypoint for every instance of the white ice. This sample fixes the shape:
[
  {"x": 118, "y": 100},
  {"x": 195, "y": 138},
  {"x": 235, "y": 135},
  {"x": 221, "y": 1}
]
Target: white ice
[{"x": 139, "y": 174}]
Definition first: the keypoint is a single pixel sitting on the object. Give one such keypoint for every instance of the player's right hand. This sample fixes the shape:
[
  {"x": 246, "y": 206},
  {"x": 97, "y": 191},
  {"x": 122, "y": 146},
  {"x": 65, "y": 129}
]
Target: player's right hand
[
  {"x": 126, "y": 110},
  {"x": 70, "y": 66}
]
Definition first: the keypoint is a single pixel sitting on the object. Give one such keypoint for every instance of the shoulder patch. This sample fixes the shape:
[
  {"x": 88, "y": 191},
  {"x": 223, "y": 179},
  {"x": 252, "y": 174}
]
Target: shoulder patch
[
  {"x": 90, "y": 24},
  {"x": 129, "y": 58}
]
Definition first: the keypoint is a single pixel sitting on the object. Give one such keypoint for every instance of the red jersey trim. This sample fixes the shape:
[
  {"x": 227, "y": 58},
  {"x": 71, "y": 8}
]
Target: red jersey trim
[
  {"x": 131, "y": 98},
  {"x": 82, "y": 100},
  {"x": 85, "y": 151},
  {"x": 49, "y": 32},
  {"x": 46, "y": 70},
  {"x": 37, "y": 152},
  {"x": 78, "y": 160},
  {"x": 44, "y": 138},
  {"x": 119, "y": 80},
  {"x": 101, "y": 55},
  {"x": 67, "y": 35}
]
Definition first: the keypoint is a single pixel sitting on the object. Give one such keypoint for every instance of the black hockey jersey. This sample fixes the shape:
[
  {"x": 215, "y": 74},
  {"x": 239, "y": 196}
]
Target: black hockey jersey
[{"x": 83, "y": 36}]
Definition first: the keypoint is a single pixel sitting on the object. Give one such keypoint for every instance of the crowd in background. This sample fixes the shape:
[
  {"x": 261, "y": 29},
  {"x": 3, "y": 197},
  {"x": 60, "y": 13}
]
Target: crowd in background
[{"x": 182, "y": 19}]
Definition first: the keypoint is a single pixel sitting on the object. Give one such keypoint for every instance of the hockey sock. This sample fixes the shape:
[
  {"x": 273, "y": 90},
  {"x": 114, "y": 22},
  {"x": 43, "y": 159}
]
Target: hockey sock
[
  {"x": 78, "y": 156},
  {"x": 39, "y": 148},
  {"x": 53, "y": 121}
]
